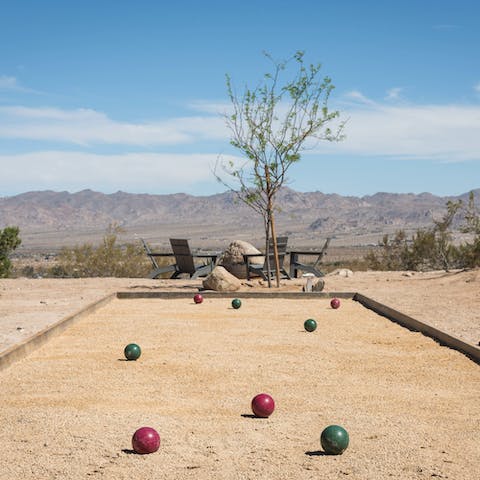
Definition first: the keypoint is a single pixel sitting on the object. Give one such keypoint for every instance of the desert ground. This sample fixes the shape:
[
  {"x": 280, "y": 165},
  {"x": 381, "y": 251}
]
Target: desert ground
[{"x": 411, "y": 406}]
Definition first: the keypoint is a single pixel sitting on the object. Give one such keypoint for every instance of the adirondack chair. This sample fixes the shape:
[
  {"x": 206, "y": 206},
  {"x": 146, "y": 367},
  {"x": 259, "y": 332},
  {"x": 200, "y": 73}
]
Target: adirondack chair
[
  {"x": 184, "y": 261},
  {"x": 157, "y": 270},
  {"x": 261, "y": 269},
  {"x": 296, "y": 265}
]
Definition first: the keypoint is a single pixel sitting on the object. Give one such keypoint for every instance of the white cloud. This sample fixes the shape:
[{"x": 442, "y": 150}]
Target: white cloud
[
  {"x": 358, "y": 97},
  {"x": 444, "y": 133},
  {"x": 477, "y": 87},
  {"x": 394, "y": 93},
  {"x": 149, "y": 172},
  {"x": 8, "y": 83},
  {"x": 11, "y": 84},
  {"x": 216, "y": 108},
  {"x": 88, "y": 127}
]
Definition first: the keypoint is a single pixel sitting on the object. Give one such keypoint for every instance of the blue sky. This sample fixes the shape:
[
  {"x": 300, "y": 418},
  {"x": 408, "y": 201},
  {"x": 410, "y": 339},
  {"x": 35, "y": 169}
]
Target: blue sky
[{"x": 122, "y": 95}]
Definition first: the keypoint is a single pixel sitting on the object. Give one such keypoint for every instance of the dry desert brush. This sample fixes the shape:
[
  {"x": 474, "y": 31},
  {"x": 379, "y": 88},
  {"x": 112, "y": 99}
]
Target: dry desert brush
[
  {"x": 109, "y": 259},
  {"x": 433, "y": 248}
]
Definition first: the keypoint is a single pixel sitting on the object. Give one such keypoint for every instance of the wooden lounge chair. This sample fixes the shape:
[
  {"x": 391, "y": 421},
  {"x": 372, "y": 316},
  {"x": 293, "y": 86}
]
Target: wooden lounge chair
[
  {"x": 261, "y": 269},
  {"x": 296, "y": 265},
  {"x": 157, "y": 270},
  {"x": 184, "y": 261}
]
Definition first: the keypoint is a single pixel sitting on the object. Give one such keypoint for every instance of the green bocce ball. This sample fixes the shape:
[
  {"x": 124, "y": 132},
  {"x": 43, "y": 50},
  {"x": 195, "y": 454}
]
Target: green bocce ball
[
  {"x": 334, "y": 440},
  {"x": 236, "y": 303},
  {"x": 132, "y": 351},
  {"x": 310, "y": 325}
]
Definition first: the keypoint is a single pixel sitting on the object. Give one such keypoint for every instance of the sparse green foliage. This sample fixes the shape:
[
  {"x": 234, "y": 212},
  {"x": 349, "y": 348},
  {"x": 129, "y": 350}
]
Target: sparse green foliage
[
  {"x": 472, "y": 216},
  {"x": 470, "y": 251},
  {"x": 106, "y": 260},
  {"x": 433, "y": 248},
  {"x": 391, "y": 256},
  {"x": 271, "y": 124},
  {"x": 444, "y": 251},
  {"x": 9, "y": 241}
]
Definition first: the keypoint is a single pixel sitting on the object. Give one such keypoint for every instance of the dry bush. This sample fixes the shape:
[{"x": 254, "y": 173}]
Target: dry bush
[
  {"x": 433, "y": 248},
  {"x": 106, "y": 260}
]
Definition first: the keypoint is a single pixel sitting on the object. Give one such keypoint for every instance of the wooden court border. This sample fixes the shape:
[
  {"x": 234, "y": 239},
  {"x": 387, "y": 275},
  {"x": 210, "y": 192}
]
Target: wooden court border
[{"x": 19, "y": 351}]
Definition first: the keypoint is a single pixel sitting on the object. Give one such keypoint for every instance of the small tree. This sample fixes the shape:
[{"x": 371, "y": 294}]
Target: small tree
[
  {"x": 445, "y": 251},
  {"x": 392, "y": 254},
  {"x": 9, "y": 241},
  {"x": 470, "y": 252},
  {"x": 270, "y": 125},
  {"x": 427, "y": 249}
]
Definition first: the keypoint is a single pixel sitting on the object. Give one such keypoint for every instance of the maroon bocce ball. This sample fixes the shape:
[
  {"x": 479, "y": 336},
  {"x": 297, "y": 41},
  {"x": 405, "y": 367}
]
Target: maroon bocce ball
[
  {"x": 146, "y": 440},
  {"x": 263, "y": 405},
  {"x": 335, "y": 303},
  {"x": 198, "y": 298}
]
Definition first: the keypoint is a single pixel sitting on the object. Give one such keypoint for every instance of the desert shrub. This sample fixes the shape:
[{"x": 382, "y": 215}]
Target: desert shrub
[
  {"x": 109, "y": 259},
  {"x": 433, "y": 248},
  {"x": 27, "y": 271},
  {"x": 470, "y": 251},
  {"x": 354, "y": 264},
  {"x": 58, "y": 270},
  {"x": 391, "y": 254},
  {"x": 9, "y": 241}
]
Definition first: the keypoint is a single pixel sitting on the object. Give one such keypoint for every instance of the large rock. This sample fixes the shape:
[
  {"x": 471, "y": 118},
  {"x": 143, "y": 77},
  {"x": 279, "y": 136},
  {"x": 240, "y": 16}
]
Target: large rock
[
  {"x": 232, "y": 258},
  {"x": 221, "y": 281},
  {"x": 318, "y": 285}
]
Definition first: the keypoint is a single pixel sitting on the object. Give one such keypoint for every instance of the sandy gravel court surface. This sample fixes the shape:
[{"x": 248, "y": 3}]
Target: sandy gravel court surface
[{"x": 69, "y": 409}]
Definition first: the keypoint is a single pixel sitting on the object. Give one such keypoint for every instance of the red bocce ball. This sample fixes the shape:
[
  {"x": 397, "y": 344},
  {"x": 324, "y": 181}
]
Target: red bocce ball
[
  {"x": 146, "y": 440},
  {"x": 263, "y": 405},
  {"x": 335, "y": 303}
]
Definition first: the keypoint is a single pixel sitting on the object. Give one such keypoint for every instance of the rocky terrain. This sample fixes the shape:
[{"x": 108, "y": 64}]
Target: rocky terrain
[{"x": 49, "y": 220}]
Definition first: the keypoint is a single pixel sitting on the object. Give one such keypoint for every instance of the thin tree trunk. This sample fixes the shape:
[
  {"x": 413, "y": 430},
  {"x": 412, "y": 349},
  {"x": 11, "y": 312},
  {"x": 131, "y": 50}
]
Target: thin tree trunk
[
  {"x": 275, "y": 250},
  {"x": 271, "y": 221},
  {"x": 267, "y": 245}
]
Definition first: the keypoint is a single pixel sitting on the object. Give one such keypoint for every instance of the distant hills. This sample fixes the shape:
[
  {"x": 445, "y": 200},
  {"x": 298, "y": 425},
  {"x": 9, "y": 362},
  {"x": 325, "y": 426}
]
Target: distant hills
[{"x": 50, "y": 219}]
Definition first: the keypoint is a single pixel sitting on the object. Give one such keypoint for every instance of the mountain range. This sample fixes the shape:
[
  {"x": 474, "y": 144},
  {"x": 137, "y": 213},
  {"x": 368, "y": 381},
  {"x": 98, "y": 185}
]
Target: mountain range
[{"x": 49, "y": 220}]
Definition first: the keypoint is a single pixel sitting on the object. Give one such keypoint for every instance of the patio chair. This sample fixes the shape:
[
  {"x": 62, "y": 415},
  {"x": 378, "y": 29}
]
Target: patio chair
[
  {"x": 296, "y": 265},
  {"x": 157, "y": 270},
  {"x": 262, "y": 269},
  {"x": 184, "y": 261}
]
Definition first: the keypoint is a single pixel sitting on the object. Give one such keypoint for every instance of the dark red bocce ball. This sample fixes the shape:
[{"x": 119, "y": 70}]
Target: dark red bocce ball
[
  {"x": 146, "y": 440},
  {"x": 263, "y": 405},
  {"x": 198, "y": 298},
  {"x": 335, "y": 303}
]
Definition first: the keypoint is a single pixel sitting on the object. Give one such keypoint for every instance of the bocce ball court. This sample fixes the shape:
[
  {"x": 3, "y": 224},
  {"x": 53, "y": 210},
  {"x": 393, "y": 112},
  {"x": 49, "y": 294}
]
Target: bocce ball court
[{"x": 70, "y": 405}]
